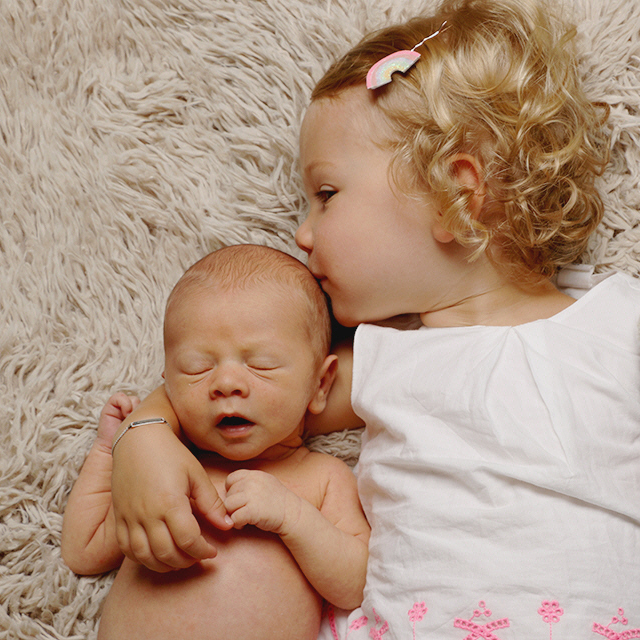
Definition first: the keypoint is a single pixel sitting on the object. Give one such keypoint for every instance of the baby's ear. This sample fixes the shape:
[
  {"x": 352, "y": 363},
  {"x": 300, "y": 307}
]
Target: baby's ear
[{"x": 326, "y": 376}]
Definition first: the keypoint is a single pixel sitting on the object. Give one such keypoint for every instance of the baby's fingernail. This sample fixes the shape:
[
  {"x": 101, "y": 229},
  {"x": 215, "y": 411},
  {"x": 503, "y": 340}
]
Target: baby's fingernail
[{"x": 228, "y": 520}]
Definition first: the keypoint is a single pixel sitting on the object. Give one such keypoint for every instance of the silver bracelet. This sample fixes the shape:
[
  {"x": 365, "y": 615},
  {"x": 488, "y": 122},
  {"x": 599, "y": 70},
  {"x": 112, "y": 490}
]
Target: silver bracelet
[{"x": 137, "y": 423}]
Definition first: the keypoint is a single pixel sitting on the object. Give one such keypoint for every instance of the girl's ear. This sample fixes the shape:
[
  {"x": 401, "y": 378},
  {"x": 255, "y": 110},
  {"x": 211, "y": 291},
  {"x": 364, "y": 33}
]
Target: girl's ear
[
  {"x": 467, "y": 171},
  {"x": 326, "y": 376}
]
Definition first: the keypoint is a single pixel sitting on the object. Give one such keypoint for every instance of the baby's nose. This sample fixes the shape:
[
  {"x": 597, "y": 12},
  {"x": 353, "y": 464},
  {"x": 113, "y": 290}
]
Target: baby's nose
[{"x": 228, "y": 381}]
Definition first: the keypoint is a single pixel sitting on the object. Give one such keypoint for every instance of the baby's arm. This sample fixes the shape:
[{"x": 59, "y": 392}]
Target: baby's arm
[
  {"x": 330, "y": 544},
  {"x": 89, "y": 542},
  {"x": 154, "y": 478}
]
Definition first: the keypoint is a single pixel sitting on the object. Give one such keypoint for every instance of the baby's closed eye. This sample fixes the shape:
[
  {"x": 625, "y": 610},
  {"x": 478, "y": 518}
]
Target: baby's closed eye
[
  {"x": 196, "y": 368},
  {"x": 263, "y": 363}
]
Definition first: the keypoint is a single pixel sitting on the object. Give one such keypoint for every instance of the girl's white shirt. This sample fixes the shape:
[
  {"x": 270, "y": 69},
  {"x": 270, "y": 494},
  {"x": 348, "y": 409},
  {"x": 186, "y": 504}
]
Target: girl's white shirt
[{"x": 500, "y": 472}]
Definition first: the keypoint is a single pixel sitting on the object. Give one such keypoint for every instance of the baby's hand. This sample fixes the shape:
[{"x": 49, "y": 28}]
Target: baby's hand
[
  {"x": 118, "y": 407},
  {"x": 260, "y": 499}
]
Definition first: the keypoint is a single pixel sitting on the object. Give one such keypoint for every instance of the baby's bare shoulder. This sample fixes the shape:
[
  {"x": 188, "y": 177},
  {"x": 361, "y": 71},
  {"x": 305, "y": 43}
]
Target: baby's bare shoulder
[
  {"x": 331, "y": 476},
  {"x": 317, "y": 462}
]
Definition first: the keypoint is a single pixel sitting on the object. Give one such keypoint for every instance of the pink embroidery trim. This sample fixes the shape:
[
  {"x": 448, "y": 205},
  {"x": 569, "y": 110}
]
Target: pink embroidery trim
[
  {"x": 416, "y": 613},
  {"x": 331, "y": 614},
  {"x": 481, "y": 630},
  {"x": 550, "y": 612},
  {"x": 376, "y": 634},
  {"x": 357, "y": 624},
  {"x": 613, "y": 635}
]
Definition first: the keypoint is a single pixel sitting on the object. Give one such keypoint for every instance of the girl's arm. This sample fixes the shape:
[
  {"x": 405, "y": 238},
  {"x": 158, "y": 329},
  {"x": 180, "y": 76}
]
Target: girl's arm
[
  {"x": 329, "y": 544},
  {"x": 89, "y": 542},
  {"x": 154, "y": 479}
]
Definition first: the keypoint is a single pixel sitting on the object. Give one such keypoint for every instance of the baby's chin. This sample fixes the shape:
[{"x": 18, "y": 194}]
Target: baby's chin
[{"x": 244, "y": 451}]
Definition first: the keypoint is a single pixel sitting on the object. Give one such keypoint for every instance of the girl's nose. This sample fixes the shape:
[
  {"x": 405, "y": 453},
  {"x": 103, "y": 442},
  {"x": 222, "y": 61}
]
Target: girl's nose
[
  {"x": 228, "y": 381},
  {"x": 304, "y": 236}
]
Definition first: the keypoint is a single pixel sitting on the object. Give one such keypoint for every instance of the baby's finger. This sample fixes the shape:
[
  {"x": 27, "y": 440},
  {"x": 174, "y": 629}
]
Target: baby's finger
[
  {"x": 122, "y": 536},
  {"x": 235, "y": 477},
  {"x": 240, "y": 518},
  {"x": 165, "y": 550},
  {"x": 208, "y": 502},
  {"x": 237, "y": 506},
  {"x": 235, "y": 500},
  {"x": 141, "y": 552},
  {"x": 184, "y": 531},
  {"x": 128, "y": 405},
  {"x": 119, "y": 399}
]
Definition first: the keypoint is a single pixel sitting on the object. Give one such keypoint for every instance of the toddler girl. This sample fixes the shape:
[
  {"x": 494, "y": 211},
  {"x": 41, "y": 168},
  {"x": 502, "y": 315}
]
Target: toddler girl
[{"x": 500, "y": 462}]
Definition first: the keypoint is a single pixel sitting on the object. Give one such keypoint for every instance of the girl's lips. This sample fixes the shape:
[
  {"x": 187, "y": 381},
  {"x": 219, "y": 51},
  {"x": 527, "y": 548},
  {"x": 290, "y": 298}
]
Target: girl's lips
[{"x": 322, "y": 281}]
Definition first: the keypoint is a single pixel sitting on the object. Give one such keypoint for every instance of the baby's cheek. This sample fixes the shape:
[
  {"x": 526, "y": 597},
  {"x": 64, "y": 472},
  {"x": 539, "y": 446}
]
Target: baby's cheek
[{"x": 190, "y": 415}]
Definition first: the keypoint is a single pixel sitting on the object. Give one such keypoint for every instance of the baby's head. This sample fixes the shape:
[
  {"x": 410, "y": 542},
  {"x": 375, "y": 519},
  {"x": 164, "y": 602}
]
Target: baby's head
[
  {"x": 247, "y": 337},
  {"x": 497, "y": 83}
]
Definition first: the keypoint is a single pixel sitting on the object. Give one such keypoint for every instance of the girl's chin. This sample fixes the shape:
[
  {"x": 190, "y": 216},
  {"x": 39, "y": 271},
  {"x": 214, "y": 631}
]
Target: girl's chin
[{"x": 344, "y": 316}]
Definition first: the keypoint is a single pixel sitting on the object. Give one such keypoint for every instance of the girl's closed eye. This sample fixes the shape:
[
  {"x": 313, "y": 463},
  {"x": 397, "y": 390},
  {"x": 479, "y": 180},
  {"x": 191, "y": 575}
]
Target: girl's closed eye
[{"x": 325, "y": 194}]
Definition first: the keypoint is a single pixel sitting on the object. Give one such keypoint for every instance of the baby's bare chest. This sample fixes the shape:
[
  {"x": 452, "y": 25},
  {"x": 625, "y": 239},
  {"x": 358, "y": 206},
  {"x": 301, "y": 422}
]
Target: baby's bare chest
[{"x": 246, "y": 591}]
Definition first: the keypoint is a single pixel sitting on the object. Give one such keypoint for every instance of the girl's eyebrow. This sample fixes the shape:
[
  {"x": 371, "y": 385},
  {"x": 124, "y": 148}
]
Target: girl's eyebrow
[{"x": 315, "y": 165}]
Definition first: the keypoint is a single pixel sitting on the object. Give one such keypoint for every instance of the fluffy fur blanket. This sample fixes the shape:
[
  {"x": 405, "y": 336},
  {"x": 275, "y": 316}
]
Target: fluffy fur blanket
[{"x": 136, "y": 136}]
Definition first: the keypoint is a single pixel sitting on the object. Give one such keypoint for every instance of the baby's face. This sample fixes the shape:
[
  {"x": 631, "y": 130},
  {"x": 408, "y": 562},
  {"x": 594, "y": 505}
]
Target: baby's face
[{"x": 239, "y": 370}]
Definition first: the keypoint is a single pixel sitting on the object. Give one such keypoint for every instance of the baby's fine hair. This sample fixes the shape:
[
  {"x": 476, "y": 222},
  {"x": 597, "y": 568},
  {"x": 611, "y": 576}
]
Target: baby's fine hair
[
  {"x": 242, "y": 266},
  {"x": 501, "y": 82}
]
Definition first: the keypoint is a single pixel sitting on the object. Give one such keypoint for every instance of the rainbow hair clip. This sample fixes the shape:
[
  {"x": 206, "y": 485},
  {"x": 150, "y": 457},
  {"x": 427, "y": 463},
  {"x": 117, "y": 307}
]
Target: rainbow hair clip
[{"x": 381, "y": 72}]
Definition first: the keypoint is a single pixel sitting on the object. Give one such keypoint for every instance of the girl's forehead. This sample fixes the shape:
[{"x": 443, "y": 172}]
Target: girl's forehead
[
  {"x": 354, "y": 104},
  {"x": 351, "y": 113}
]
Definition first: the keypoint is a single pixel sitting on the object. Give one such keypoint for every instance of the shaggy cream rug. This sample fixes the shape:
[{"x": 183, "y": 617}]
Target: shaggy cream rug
[{"x": 137, "y": 135}]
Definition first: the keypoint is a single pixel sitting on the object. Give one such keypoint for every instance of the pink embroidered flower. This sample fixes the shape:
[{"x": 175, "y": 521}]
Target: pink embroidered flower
[
  {"x": 621, "y": 619},
  {"x": 609, "y": 633},
  {"x": 485, "y": 612},
  {"x": 359, "y": 623},
  {"x": 417, "y": 612},
  {"x": 481, "y": 630},
  {"x": 376, "y": 634},
  {"x": 550, "y": 611}
]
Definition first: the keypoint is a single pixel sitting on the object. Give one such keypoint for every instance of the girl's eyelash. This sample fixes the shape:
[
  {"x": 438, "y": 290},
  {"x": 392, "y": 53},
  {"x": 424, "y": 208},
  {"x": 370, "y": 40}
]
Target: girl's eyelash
[{"x": 325, "y": 195}]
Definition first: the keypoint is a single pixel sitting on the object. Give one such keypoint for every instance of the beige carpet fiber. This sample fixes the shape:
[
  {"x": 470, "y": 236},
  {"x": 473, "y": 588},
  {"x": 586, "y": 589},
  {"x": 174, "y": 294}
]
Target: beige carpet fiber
[{"x": 137, "y": 135}]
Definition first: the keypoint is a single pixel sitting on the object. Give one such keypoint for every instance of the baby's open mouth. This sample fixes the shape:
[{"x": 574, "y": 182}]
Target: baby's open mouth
[{"x": 234, "y": 421}]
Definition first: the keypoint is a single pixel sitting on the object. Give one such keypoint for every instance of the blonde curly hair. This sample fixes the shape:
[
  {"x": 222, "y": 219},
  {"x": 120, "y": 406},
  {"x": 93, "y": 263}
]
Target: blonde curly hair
[{"x": 500, "y": 81}]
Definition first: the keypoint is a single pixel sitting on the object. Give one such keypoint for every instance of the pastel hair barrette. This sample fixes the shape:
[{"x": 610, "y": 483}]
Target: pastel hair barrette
[{"x": 381, "y": 72}]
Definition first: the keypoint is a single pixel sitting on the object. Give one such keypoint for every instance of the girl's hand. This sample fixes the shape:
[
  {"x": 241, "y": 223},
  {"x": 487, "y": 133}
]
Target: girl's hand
[
  {"x": 260, "y": 499},
  {"x": 118, "y": 407},
  {"x": 155, "y": 478}
]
